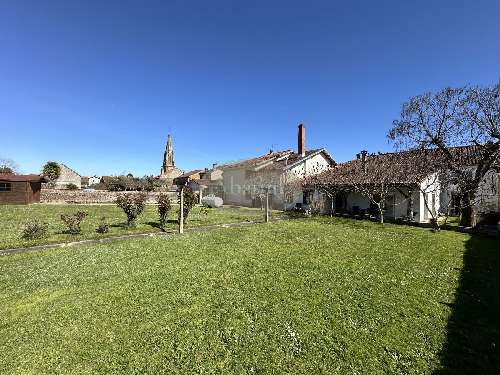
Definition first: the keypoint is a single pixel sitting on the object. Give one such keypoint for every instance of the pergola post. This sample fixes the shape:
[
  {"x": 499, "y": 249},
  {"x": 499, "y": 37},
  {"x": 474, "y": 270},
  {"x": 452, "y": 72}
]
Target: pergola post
[
  {"x": 181, "y": 212},
  {"x": 267, "y": 206}
]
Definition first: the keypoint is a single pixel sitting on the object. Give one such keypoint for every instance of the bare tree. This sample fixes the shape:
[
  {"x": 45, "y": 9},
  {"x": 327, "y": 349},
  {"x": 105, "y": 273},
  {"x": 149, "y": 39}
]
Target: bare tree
[
  {"x": 260, "y": 185},
  {"x": 451, "y": 118},
  {"x": 8, "y": 166},
  {"x": 328, "y": 184}
]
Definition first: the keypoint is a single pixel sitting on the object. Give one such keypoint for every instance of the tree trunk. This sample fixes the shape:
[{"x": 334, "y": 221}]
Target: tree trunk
[
  {"x": 410, "y": 205},
  {"x": 331, "y": 206},
  {"x": 381, "y": 213},
  {"x": 467, "y": 210}
]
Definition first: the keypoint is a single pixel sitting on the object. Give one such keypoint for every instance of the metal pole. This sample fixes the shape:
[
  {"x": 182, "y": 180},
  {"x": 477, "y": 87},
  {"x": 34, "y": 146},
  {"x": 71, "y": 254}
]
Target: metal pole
[
  {"x": 267, "y": 205},
  {"x": 181, "y": 212}
]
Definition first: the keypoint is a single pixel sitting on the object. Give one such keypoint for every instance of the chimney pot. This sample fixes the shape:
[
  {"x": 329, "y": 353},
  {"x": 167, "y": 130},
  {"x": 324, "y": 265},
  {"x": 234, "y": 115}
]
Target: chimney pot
[
  {"x": 363, "y": 159},
  {"x": 301, "y": 149}
]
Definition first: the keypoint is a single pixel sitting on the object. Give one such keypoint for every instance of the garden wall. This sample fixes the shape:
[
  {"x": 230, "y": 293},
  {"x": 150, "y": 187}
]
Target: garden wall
[{"x": 90, "y": 196}]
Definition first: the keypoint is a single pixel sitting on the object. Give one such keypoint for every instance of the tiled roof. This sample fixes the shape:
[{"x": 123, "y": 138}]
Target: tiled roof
[
  {"x": 21, "y": 177},
  {"x": 411, "y": 165},
  {"x": 277, "y": 160},
  {"x": 254, "y": 162},
  {"x": 190, "y": 173}
]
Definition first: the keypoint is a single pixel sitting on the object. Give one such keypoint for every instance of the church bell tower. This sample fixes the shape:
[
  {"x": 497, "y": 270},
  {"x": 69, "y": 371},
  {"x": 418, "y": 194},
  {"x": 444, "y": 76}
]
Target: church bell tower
[{"x": 168, "y": 169}]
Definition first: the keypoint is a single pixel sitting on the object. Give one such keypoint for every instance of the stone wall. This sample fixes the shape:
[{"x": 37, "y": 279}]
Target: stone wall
[{"x": 90, "y": 196}]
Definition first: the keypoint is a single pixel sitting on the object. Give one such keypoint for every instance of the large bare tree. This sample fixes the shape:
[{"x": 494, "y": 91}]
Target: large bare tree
[
  {"x": 8, "y": 166},
  {"x": 468, "y": 116}
]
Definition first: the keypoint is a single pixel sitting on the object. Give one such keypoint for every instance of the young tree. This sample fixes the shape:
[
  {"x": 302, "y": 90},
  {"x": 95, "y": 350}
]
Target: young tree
[
  {"x": 450, "y": 118},
  {"x": 328, "y": 183},
  {"x": 189, "y": 201},
  {"x": 261, "y": 185}
]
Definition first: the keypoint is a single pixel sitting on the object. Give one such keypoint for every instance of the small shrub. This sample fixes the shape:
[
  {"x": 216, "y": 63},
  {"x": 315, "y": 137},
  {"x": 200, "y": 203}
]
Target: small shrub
[
  {"x": 71, "y": 187},
  {"x": 132, "y": 205},
  {"x": 190, "y": 200},
  {"x": 103, "y": 226},
  {"x": 31, "y": 230},
  {"x": 164, "y": 207},
  {"x": 74, "y": 221},
  {"x": 204, "y": 211}
]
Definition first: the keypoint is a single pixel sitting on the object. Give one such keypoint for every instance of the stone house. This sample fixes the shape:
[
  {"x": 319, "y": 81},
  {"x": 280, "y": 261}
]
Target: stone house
[
  {"x": 66, "y": 177},
  {"x": 276, "y": 171},
  {"x": 212, "y": 181}
]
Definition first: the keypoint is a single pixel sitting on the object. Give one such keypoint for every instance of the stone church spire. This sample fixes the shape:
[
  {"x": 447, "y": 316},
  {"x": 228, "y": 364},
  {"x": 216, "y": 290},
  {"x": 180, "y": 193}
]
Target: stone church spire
[
  {"x": 168, "y": 169},
  {"x": 168, "y": 156}
]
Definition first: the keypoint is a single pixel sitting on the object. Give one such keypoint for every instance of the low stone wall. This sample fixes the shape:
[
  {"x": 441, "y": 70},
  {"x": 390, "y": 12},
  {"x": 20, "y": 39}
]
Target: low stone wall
[{"x": 90, "y": 196}]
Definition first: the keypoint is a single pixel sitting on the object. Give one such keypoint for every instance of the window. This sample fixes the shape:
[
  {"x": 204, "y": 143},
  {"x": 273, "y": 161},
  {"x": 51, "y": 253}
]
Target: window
[
  {"x": 307, "y": 197},
  {"x": 5, "y": 186}
]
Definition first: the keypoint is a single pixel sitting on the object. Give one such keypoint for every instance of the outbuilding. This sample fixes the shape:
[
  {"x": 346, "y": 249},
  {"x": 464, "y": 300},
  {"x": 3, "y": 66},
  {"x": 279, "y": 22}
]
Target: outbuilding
[{"x": 20, "y": 189}]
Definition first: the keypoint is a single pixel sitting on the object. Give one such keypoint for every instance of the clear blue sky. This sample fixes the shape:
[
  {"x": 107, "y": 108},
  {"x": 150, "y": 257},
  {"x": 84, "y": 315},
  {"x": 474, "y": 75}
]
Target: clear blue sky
[{"x": 99, "y": 84}]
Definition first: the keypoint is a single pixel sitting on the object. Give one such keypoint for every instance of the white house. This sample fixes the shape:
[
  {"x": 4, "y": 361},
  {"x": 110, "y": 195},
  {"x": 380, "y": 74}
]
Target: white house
[
  {"x": 94, "y": 180},
  {"x": 408, "y": 192},
  {"x": 276, "y": 171}
]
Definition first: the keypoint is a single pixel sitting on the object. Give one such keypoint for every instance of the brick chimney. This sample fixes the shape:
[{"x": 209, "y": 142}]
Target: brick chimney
[
  {"x": 364, "y": 153},
  {"x": 301, "y": 149}
]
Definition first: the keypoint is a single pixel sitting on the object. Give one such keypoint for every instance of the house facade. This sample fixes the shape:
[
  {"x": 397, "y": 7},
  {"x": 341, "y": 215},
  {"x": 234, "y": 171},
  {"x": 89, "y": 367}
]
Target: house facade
[
  {"x": 277, "y": 172},
  {"x": 406, "y": 186},
  {"x": 212, "y": 181}
]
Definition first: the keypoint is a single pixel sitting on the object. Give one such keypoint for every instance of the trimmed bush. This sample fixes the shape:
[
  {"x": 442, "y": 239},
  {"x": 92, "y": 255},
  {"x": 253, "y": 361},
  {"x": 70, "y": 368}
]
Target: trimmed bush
[
  {"x": 34, "y": 229},
  {"x": 74, "y": 221},
  {"x": 103, "y": 226},
  {"x": 132, "y": 205},
  {"x": 164, "y": 207},
  {"x": 71, "y": 187}
]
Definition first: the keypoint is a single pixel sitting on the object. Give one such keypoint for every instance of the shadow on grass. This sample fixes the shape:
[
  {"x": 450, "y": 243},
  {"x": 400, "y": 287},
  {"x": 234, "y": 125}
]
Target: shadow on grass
[
  {"x": 473, "y": 331},
  {"x": 157, "y": 225}
]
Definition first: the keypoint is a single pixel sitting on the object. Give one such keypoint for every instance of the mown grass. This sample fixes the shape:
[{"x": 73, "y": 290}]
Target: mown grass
[
  {"x": 304, "y": 296},
  {"x": 12, "y": 217}
]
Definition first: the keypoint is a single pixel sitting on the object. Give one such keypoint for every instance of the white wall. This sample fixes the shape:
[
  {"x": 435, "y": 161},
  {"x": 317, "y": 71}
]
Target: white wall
[
  {"x": 488, "y": 194},
  {"x": 235, "y": 180}
]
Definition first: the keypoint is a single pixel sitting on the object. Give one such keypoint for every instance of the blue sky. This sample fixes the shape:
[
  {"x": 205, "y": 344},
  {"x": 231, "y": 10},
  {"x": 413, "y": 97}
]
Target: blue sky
[{"x": 99, "y": 84}]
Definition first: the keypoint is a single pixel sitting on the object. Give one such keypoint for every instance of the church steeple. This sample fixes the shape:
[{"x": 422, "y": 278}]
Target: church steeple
[
  {"x": 168, "y": 156},
  {"x": 168, "y": 169}
]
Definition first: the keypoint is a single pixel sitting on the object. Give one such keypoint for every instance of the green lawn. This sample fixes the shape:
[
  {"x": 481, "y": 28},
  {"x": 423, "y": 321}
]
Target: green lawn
[
  {"x": 12, "y": 218},
  {"x": 304, "y": 297}
]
